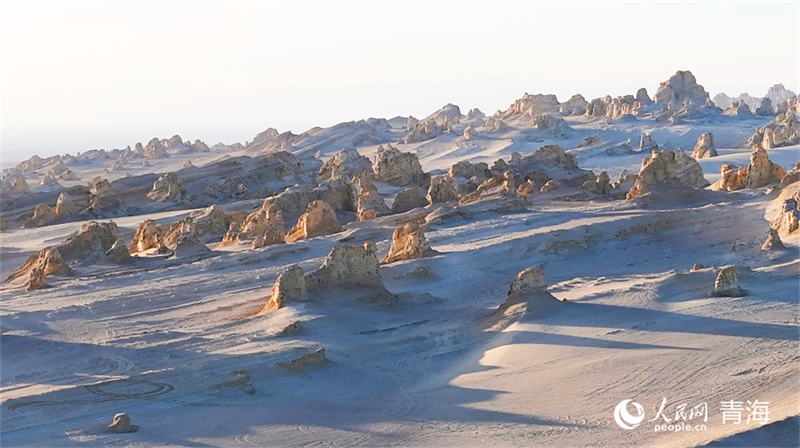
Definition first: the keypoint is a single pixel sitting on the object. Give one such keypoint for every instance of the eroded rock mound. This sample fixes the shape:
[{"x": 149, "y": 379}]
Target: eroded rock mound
[
  {"x": 118, "y": 253},
  {"x": 551, "y": 124},
  {"x": 773, "y": 241},
  {"x": 64, "y": 206},
  {"x": 289, "y": 287},
  {"x": 408, "y": 242},
  {"x": 347, "y": 265},
  {"x": 409, "y": 199},
  {"x": 398, "y": 168},
  {"x": 727, "y": 283},
  {"x": 308, "y": 360},
  {"x": 704, "y": 148},
  {"x": 147, "y": 236},
  {"x": 370, "y": 202},
  {"x": 42, "y": 216},
  {"x": 576, "y": 105},
  {"x": 528, "y": 284},
  {"x": 167, "y": 188},
  {"x": 211, "y": 221},
  {"x": 442, "y": 189},
  {"x": 783, "y": 130},
  {"x": 600, "y": 185},
  {"x": 469, "y": 134},
  {"x": 763, "y": 171},
  {"x": 104, "y": 199},
  {"x": 37, "y": 267},
  {"x": 93, "y": 240},
  {"x": 497, "y": 187},
  {"x": 346, "y": 163},
  {"x": 664, "y": 166},
  {"x": 787, "y": 221},
  {"x": 646, "y": 143},
  {"x": 738, "y": 109},
  {"x": 319, "y": 219}
]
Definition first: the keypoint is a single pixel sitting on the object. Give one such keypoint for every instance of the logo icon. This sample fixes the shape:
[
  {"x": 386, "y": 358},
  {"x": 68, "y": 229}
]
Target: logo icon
[{"x": 624, "y": 419}]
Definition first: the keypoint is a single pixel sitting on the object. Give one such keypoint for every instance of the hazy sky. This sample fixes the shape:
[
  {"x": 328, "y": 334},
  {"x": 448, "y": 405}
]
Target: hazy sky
[{"x": 83, "y": 75}]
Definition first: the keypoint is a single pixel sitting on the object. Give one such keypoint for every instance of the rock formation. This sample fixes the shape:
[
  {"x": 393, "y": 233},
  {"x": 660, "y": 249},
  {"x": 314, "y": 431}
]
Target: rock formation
[
  {"x": 526, "y": 189},
  {"x": 442, "y": 189},
  {"x": 64, "y": 206},
  {"x": 576, "y": 105},
  {"x": 550, "y": 185},
  {"x": 409, "y": 199},
  {"x": 319, "y": 219},
  {"x": 42, "y": 216},
  {"x": 763, "y": 171},
  {"x": 529, "y": 281},
  {"x": 646, "y": 143},
  {"x": 398, "y": 168},
  {"x": 738, "y": 109},
  {"x": 530, "y": 105},
  {"x": 289, "y": 287},
  {"x": 773, "y": 241},
  {"x": 551, "y": 124},
  {"x": 408, "y": 242},
  {"x": 642, "y": 97},
  {"x": 495, "y": 124},
  {"x": 765, "y": 109},
  {"x": 104, "y": 200},
  {"x": 346, "y": 163},
  {"x": 347, "y": 265},
  {"x": 469, "y": 134},
  {"x": 118, "y": 253},
  {"x": 147, "y": 236},
  {"x": 155, "y": 150},
  {"x": 727, "y": 283},
  {"x": 167, "y": 188},
  {"x": 783, "y": 130},
  {"x": 370, "y": 203},
  {"x": 787, "y": 221},
  {"x": 732, "y": 178},
  {"x": 211, "y": 221},
  {"x": 497, "y": 187},
  {"x": 122, "y": 424},
  {"x": 664, "y": 167},
  {"x": 549, "y": 162},
  {"x": 266, "y": 222},
  {"x": 37, "y": 267},
  {"x": 792, "y": 176},
  {"x": 600, "y": 185},
  {"x": 187, "y": 245},
  {"x": 19, "y": 185},
  {"x": 613, "y": 108},
  {"x": 92, "y": 241},
  {"x": 682, "y": 87},
  {"x": 704, "y": 148}
]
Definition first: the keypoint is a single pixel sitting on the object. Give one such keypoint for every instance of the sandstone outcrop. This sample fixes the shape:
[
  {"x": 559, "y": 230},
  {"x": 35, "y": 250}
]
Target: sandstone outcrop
[
  {"x": 497, "y": 187},
  {"x": 92, "y": 241},
  {"x": 289, "y": 287},
  {"x": 147, "y": 236},
  {"x": 495, "y": 124},
  {"x": 347, "y": 265},
  {"x": 19, "y": 185},
  {"x": 42, "y": 216},
  {"x": 783, "y": 130},
  {"x": 64, "y": 206},
  {"x": 600, "y": 185},
  {"x": 763, "y": 171},
  {"x": 646, "y": 143},
  {"x": 442, "y": 189},
  {"x": 528, "y": 284},
  {"x": 530, "y": 105},
  {"x": 37, "y": 267},
  {"x": 211, "y": 221},
  {"x": 167, "y": 188},
  {"x": 104, "y": 200},
  {"x": 398, "y": 168},
  {"x": 549, "y": 162},
  {"x": 551, "y": 124},
  {"x": 576, "y": 105},
  {"x": 682, "y": 87},
  {"x": 727, "y": 283},
  {"x": 370, "y": 202},
  {"x": 409, "y": 199},
  {"x": 526, "y": 188},
  {"x": 118, "y": 253},
  {"x": 266, "y": 222},
  {"x": 732, "y": 178},
  {"x": 704, "y": 148},
  {"x": 738, "y": 109},
  {"x": 792, "y": 176},
  {"x": 408, "y": 242},
  {"x": 187, "y": 245},
  {"x": 613, "y": 108},
  {"x": 319, "y": 219},
  {"x": 423, "y": 131},
  {"x": 765, "y": 109},
  {"x": 346, "y": 163},
  {"x": 642, "y": 97},
  {"x": 664, "y": 167},
  {"x": 787, "y": 220},
  {"x": 469, "y": 134},
  {"x": 773, "y": 241},
  {"x": 155, "y": 150}
]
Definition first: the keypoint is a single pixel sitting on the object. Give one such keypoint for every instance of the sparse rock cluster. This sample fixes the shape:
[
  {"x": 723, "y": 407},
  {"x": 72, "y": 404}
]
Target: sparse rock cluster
[
  {"x": 783, "y": 130},
  {"x": 760, "y": 172}
]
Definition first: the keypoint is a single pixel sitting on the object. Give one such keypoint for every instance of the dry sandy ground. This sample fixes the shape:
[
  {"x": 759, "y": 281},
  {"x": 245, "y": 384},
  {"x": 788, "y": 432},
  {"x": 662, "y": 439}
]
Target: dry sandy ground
[{"x": 163, "y": 340}]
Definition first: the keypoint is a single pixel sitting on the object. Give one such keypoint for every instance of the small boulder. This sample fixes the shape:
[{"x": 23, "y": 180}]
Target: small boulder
[
  {"x": 122, "y": 424},
  {"x": 727, "y": 283}
]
